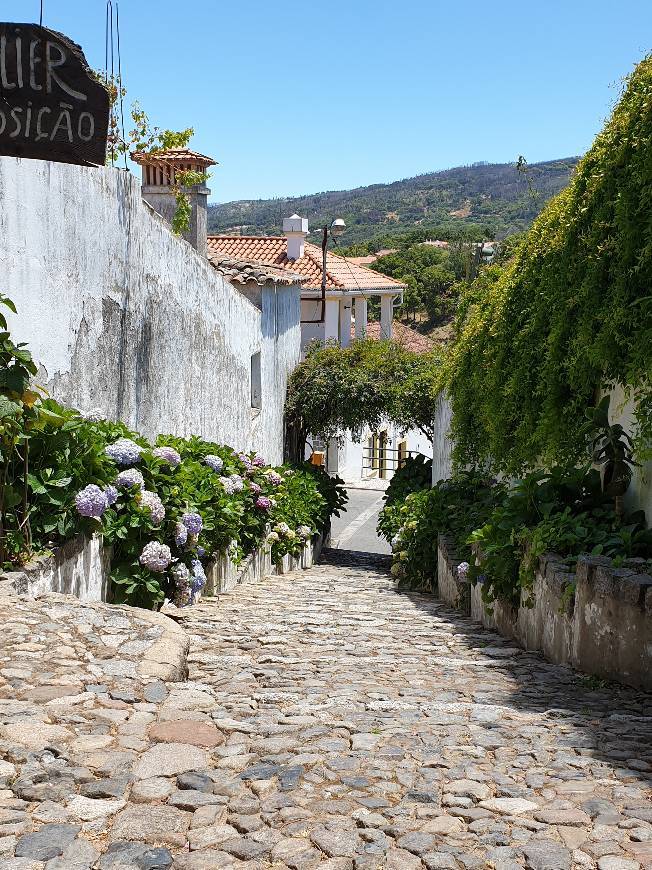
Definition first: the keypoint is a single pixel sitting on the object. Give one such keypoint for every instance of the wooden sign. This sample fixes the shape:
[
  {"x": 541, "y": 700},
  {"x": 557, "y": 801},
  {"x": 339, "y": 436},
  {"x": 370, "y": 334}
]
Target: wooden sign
[{"x": 51, "y": 105}]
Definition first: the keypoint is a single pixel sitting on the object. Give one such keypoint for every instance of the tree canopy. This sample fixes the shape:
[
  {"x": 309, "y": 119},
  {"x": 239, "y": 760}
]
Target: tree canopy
[
  {"x": 336, "y": 389},
  {"x": 570, "y": 313}
]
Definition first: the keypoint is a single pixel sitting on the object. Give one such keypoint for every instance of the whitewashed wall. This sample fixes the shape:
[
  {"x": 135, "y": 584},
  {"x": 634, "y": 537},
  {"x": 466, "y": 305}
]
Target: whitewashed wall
[
  {"x": 125, "y": 317},
  {"x": 639, "y": 495},
  {"x": 442, "y": 466}
]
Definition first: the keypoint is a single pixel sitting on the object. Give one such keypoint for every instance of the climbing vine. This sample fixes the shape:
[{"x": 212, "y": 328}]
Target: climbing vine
[
  {"x": 569, "y": 314},
  {"x": 145, "y": 138}
]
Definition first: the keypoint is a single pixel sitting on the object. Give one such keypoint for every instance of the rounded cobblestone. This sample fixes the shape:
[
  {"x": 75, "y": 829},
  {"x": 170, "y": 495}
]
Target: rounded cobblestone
[{"x": 328, "y": 721}]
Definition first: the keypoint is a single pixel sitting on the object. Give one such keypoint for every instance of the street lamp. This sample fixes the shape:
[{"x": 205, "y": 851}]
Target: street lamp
[{"x": 336, "y": 228}]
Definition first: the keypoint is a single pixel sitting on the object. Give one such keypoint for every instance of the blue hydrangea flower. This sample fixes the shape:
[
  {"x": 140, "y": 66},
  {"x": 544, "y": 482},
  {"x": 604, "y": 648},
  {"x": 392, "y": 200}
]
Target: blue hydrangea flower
[
  {"x": 129, "y": 478},
  {"x": 198, "y": 578},
  {"x": 214, "y": 462},
  {"x": 156, "y": 557},
  {"x": 180, "y": 534},
  {"x": 111, "y": 494},
  {"x": 124, "y": 451},
  {"x": 91, "y": 501},
  {"x": 226, "y": 482},
  {"x": 167, "y": 454},
  {"x": 193, "y": 522}
]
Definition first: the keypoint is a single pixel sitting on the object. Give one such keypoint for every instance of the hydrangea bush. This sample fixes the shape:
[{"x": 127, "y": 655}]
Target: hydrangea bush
[{"x": 190, "y": 501}]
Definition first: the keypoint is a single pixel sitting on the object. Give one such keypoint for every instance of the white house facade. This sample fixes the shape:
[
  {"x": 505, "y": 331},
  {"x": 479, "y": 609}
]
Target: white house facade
[{"x": 339, "y": 314}]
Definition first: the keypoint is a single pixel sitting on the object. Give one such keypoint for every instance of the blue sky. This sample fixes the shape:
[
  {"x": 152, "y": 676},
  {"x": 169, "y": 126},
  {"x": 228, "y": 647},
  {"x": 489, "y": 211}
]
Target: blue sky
[{"x": 297, "y": 97}]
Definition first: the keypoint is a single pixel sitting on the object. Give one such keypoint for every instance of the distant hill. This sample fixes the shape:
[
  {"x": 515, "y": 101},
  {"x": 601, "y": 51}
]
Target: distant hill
[{"x": 495, "y": 196}]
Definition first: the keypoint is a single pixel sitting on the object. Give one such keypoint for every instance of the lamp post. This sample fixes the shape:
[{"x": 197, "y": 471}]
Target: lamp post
[{"x": 336, "y": 228}]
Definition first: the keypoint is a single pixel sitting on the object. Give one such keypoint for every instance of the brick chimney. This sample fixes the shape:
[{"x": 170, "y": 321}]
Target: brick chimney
[
  {"x": 295, "y": 229},
  {"x": 159, "y": 177}
]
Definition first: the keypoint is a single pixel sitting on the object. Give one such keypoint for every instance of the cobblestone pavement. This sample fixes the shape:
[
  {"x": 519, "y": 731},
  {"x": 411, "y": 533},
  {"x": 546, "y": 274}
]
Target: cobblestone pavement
[{"x": 328, "y": 722}]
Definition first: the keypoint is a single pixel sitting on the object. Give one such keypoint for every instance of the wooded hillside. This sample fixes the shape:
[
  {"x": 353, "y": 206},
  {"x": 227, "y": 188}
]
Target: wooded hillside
[{"x": 499, "y": 197}]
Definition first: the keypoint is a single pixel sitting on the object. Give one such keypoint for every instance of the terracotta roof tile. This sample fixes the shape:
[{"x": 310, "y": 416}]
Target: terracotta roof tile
[
  {"x": 172, "y": 155},
  {"x": 403, "y": 335},
  {"x": 341, "y": 274},
  {"x": 248, "y": 271}
]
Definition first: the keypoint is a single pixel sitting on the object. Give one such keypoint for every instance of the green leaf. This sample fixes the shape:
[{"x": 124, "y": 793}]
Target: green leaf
[
  {"x": 14, "y": 379},
  {"x": 9, "y": 408}
]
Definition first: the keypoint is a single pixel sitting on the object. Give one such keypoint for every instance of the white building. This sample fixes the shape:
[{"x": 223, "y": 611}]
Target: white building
[{"x": 341, "y": 315}]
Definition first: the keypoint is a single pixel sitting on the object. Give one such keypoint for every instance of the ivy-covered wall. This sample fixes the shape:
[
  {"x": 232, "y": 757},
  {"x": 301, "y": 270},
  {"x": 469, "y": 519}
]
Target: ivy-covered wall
[{"x": 570, "y": 314}]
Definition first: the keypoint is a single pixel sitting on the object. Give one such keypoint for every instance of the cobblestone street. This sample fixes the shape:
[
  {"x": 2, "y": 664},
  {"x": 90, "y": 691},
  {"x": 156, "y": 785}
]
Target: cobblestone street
[{"x": 328, "y": 721}]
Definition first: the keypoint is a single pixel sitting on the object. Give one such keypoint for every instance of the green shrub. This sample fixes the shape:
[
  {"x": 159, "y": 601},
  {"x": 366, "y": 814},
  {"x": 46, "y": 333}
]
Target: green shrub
[
  {"x": 562, "y": 511},
  {"x": 452, "y": 508}
]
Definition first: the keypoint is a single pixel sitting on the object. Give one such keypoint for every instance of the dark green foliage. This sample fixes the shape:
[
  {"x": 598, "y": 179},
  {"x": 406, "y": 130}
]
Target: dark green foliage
[
  {"x": 414, "y": 475},
  {"x": 570, "y": 313},
  {"x": 452, "y": 508},
  {"x": 357, "y": 387},
  {"x": 498, "y": 195},
  {"x": 563, "y": 511}
]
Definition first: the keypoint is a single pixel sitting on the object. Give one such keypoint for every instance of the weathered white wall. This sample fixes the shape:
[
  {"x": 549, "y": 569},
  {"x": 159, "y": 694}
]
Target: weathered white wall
[
  {"x": 125, "y": 317},
  {"x": 639, "y": 494},
  {"x": 442, "y": 466},
  {"x": 350, "y": 453}
]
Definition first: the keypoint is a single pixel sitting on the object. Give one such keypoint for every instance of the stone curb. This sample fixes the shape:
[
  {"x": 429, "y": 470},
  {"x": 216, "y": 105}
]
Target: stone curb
[{"x": 167, "y": 657}]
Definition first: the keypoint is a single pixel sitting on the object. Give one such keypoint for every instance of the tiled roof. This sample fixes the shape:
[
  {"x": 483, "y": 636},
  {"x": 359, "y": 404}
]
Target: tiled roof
[
  {"x": 403, "y": 335},
  {"x": 172, "y": 155},
  {"x": 249, "y": 272},
  {"x": 341, "y": 274}
]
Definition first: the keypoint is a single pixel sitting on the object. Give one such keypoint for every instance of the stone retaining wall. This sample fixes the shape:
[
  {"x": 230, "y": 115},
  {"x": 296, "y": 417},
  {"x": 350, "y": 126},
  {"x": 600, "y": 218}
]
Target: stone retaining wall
[
  {"x": 604, "y": 628},
  {"x": 223, "y": 575},
  {"x": 81, "y": 567}
]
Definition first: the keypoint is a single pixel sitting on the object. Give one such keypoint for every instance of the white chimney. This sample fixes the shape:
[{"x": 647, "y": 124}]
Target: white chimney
[{"x": 295, "y": 229}]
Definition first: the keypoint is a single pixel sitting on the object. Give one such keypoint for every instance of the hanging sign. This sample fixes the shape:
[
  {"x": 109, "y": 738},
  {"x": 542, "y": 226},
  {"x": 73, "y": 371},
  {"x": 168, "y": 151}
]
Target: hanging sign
[{"x": 51, "y": 105}]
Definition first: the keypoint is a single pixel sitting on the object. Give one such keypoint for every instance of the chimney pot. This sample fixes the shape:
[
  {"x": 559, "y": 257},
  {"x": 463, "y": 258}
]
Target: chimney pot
[{"x": 295, "y": 229}]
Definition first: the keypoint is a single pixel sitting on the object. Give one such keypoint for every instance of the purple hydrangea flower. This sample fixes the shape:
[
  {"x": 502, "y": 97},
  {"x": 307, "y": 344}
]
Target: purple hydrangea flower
[
  {"x": 255, "y": 488},
  {"x": 214, "y": 462},
  {"x": 111, "y": 494},
  {"x": 274, "y": 477},
  {"x": 193, "y": 522},
  {"x": 463, "y": 570},
  {"x": 151, "y": 502},
  {"x": 124, "y": 451},
  {"x": 226, "y": 482},
  {"x": 201, "y": 552},
  {"x": 263, "y": 503},
  {"x": 167, "y": 454},
  {"x": 182, "y": 584},
  {"x": 258, "y": 461},
  {"x": 130, "y": 477},
  {"x": 246, "y": 461},
  {"x": 198, "y": 578},
  {"x": 91, "y": 501},
  {"x": 156, "y": 557},
  {"x": 180, "y": 534}
]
